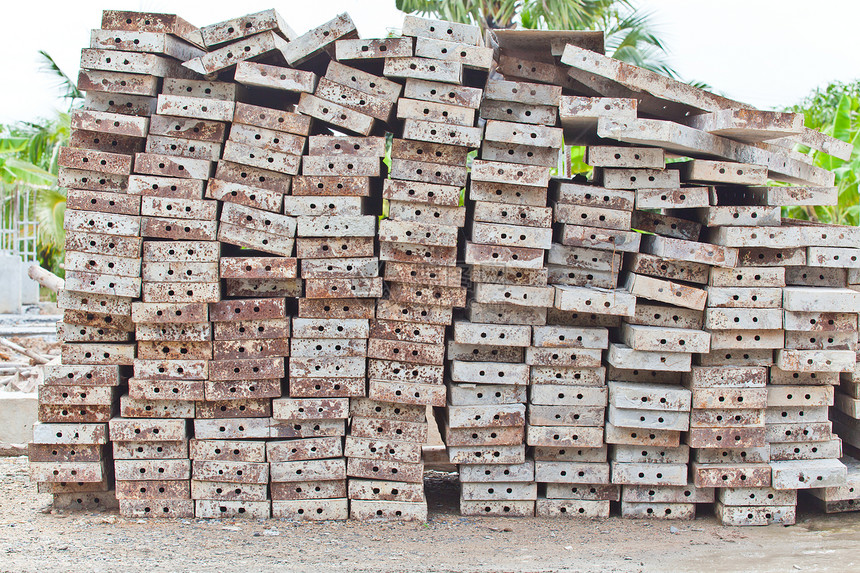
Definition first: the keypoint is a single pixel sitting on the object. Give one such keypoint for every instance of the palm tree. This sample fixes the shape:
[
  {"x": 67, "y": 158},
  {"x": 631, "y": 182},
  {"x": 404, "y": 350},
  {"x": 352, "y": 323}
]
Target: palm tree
[{"x": 628, "y": 31}]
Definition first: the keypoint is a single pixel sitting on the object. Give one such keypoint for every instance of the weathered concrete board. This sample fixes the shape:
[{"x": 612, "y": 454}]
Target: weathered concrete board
[
  {"x": 692, "y": 142},
  {"x": 749, "y": 125},
  {"x": 637, "y": 78}
]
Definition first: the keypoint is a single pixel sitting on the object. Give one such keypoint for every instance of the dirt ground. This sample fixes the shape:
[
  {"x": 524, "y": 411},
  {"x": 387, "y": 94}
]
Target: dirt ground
[{"x": 33, "y": 539}]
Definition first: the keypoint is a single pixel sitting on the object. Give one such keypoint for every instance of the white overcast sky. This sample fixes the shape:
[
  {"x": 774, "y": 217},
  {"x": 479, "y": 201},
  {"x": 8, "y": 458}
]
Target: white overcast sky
[{"x": 769, "y": 53}]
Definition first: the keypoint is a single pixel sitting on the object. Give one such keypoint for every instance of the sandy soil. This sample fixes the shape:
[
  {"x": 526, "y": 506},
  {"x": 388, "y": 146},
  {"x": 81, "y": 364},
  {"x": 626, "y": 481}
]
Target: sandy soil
[{"x": 34, "y": 539}]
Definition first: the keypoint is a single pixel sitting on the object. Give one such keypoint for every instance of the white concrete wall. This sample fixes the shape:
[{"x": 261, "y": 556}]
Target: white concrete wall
[
  {"x": 18, "y": 413},
  {"x": 11, "y": 279}
]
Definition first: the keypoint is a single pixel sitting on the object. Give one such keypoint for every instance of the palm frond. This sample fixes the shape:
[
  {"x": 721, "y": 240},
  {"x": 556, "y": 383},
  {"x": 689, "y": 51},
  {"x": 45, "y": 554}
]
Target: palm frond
[
  {"x": 13, "y": 169},
  {"x": 67, "y": 87},
  {"x": 12, "y": 144},
  {"x": 566, "y": 14},
  {"x": 463, "y": 11},
  {"x": 701, "y": 85},
  {"x": 630, "y": 38},
  {"x": 37, "y": 143}
]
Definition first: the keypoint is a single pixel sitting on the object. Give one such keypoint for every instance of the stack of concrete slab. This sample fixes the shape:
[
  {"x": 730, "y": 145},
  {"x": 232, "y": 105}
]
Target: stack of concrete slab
[
  {"x": 735, "y": 150},
  {"x": 842, "y": 498},
  {"x": 654, "y": 334},
  {"x": 418, "y": 241},
  {"x": 122, "y": 71},
  {"x": 848, "y": 393},
  {"x": 756, "y": 506},
  {"x": 231, "y": 451},
  {"x": 341, "y": 274},
  {"x": 654, "y": 346},
  {"x": 798, "y": 442},
  {"x": 254, "y": 37},
  {"x": 835, "y": 330},
  {"x": 727, "y": 432},
  {"x": 645, "y": 421},
  {"x": 509, "y": 233},
  {"x": 745, "y": 318},
  {"x": 804, "y": 450},
  {"x": 757, "y": 320},
  {"x": 566, "y": 413},
  {"x": 328, "y": 365},
  {"x": 583, "y": 263},
  {"x": 846, "y": 412},
  {"x": 593, "y": 231},
  {"x": 664, "y": 336},
  {"x": 847, "y": 400},
  {"x": 71, "y": 459},
  {"x": 385, "y": 438},
  {"x": 181, "y": 277},
  {"x": 260, "y": 160},
  {"x": 152, "y": 465},
  {"x": 308, "y": 470}
]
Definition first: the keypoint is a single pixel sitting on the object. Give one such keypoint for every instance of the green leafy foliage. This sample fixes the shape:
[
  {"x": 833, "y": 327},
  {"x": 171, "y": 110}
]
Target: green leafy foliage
[
  {"x": 835, "y": 110},
  {"x": 50, "y": 209},
  {"x": 65, "y": 85},
  {"x": 567, "y": 14},
  {"x": 820, "y": 107},
  {"x": 578, "y": 166}
]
